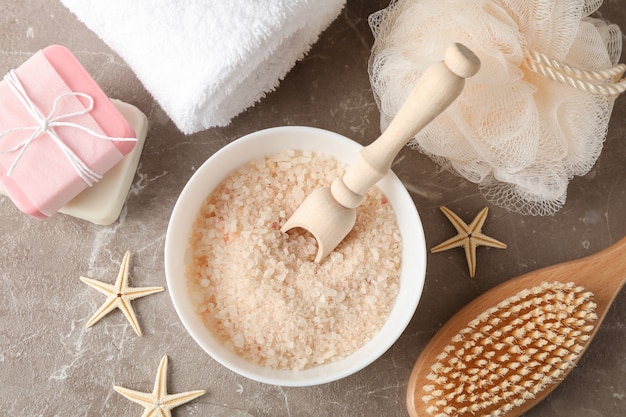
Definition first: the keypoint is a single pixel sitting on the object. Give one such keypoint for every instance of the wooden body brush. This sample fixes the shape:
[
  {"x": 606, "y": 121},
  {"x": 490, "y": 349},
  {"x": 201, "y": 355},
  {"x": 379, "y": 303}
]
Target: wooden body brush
[{"x": 509, "y": 348}]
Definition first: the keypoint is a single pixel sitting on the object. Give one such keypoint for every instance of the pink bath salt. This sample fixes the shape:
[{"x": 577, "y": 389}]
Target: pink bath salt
[{"x": 259, "y": 291}]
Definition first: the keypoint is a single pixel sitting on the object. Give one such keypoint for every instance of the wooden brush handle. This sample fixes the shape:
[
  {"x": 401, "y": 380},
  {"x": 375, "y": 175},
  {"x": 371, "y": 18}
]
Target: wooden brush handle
[{"x": 436, "y": 89}]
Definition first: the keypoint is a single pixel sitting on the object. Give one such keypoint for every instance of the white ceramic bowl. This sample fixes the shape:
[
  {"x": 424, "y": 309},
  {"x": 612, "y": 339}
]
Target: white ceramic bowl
[{"x": 236, "y": 154}]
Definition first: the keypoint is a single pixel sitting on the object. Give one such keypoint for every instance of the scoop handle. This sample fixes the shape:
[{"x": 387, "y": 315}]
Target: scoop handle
[{"x": 436, "y": 89}]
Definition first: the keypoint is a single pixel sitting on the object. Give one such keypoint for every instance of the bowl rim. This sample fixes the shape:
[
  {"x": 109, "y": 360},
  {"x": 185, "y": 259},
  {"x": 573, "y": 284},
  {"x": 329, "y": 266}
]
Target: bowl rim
[{"x": 267, "y": 142}]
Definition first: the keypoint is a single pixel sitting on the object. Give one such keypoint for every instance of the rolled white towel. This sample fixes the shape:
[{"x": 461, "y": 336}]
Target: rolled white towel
[{"x": 205, "y": 61}]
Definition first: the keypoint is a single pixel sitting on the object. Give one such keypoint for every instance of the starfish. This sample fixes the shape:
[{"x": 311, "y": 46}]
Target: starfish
[
  {"x": 158, "y": 402},
  {"x": 469, "y": 236},
  {"x": 119, "y": 295}
]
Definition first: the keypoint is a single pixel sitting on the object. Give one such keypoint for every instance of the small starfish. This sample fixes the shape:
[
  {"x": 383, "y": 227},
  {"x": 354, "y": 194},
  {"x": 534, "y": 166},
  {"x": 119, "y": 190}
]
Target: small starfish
[
  {"x": 158, "y": 402},
  {"x": 119, "y": 295},
  {"x": 469, "y": 236}
]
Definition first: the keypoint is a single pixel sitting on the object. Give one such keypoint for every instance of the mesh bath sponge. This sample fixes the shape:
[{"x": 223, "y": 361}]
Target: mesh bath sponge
[{"x": 537, "y": 112}]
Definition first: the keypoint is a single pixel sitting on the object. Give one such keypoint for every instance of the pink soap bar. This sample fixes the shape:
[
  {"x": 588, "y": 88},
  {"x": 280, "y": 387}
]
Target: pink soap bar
[{"x": 43, "y": 179}]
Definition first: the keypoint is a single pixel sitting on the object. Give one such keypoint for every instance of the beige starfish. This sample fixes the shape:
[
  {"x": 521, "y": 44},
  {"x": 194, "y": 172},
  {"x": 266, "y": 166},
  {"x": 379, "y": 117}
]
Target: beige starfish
[
  {"x": 158, "y": 402},
  {"x": 469, "y": 236},
  {"x": 119, "y": 295}
]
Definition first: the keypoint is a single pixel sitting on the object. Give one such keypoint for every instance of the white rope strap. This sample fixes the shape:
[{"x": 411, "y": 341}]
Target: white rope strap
[{"x": 607, "y": 82}]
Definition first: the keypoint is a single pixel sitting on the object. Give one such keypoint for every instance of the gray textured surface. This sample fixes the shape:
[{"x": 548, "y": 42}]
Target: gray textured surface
[{"x": 51, "y": 366}]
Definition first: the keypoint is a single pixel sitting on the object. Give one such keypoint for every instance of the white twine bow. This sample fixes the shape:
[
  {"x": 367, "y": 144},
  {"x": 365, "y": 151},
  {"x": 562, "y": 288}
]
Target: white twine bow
[{"x": 46, "y": 125}]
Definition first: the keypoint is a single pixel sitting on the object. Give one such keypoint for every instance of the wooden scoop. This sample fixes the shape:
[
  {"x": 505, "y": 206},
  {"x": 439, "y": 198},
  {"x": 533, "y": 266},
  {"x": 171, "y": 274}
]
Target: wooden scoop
[
  {"x": 329, "y": 213},
  {"x": 509, "y": 348}
]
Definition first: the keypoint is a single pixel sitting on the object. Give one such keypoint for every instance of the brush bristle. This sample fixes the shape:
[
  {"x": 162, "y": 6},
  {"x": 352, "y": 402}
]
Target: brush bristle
[{"x": 511, "y": 352}]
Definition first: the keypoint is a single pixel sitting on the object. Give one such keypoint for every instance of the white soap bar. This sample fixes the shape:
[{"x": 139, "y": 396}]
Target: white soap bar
[{"x": 103, "y": 203}]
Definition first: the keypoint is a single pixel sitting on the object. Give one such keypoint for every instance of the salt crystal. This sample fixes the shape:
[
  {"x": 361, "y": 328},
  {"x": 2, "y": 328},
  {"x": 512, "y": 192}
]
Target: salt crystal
[
  {"x": 268, "y": 273},
  {"x": 330, "y": 292},
  {"x": 298, "y": 194},
  {"x": 336, "y": 257},
  {"x": 238, "y": 340}
]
